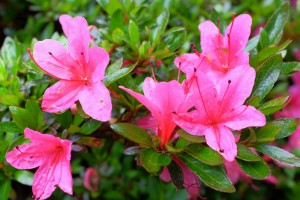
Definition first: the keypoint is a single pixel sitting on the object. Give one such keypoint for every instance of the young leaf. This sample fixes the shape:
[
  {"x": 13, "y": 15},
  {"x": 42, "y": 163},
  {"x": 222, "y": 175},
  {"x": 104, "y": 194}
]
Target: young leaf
[
  {"x": 153, "y": 160},
  {"x": 279, "y": 155},
  {"x": 274, "y": 105},
  {"x": 204, "y": 154},
  {"x": 244, "y": 153},
  {"x": 213, "y": 176},
  {"x": 267, "y": 75},
  {"x": 133, "y": 133},
  {"x": 276, "y": 23},
  {"x": 256, "y": 170}
]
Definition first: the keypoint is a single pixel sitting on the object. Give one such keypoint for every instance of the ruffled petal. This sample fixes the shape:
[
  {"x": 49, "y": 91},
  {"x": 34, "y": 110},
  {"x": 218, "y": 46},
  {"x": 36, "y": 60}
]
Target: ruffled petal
[
  {"x": 52, "y": 57},
  {"x": 221, "y": 139},
  {"x": 96, "y": 102},
  {"x": 61, "y": 96}
]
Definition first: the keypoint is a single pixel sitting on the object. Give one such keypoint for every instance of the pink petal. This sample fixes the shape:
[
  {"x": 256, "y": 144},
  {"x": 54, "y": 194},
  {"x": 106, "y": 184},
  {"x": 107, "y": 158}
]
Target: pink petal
[
  {"x": 236, "y": 87},
  {"x": 193, "y": 122},
  {"x": 244, "y": 116},
  {"x": 221, "y": 139},
  {"x": 32, "y": 155},
  {"x": 141, "y": 98},
  {"x": 165, "y": 175},
  {"x": 233, "y": 171},
  {"x": 149, "y": 86},
  {"x": 239, "y": 31},
  {"x": 64, "y": 176},
  {"x": 61, "y": 96},
  {"x": 65, "y": 21},
  {"x": 98, "y": 62},
  {"x": 54, "y": 59},
  {"x": 96, "y": 102},
  {"x": 78, "y": 39},
  {"x": 147, "y": 122},
  {"x": 209, "y": 34}
]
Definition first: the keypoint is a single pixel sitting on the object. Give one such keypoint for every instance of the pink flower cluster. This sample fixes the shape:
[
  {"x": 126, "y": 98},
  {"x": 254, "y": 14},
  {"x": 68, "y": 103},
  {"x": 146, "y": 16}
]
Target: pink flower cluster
[{"x": 210, "y": 102}]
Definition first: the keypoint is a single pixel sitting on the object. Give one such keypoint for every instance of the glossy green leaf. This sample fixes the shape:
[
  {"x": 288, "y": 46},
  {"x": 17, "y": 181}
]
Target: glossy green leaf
[
  {"x": 276, "y": 23},
  {"x": 65, "y": 119},
  {"x": 133, "y": 133},
  {"x": 256, "y": 170},
  {"x": 252, "y": 43},
  {"x": 279, "y": 154},
  {"x": 10, "y": 99},
  {"x": 272, "y": 50},
  {"x": 263, "y": 38},
  {"x": 117, "y": 65},
  {"x": 269, "y": 132},
  {"x": 289, "y": 67},
  {"x": 109, "y": 79},
  {"x": 266, "y": 76},
  {"x": 153, "y": 160},
  {"x": 204, "y": 154},
  {"x": 191, "y": 138},
  {"x": 23, "y": 176},
  {"x": 213, "y": 176},
  {"x": 244, "y": 153},
  {"x": 23, "y": 118},
  {"x": 274, "y": 105}
]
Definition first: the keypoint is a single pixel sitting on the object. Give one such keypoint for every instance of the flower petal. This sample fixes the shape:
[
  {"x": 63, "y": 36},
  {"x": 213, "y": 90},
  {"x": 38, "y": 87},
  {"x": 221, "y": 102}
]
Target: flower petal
[
  {"x": 221, "y": 139},
  {"x": 244, "y": 116},
  {"x": 96, "y": 102},
  {"x": 209, "y": 34},
  {"x": 78, "y": 39},
  {"x": 53, "y": 58},
  {"x": 149, "y": 86},
  {"x": 61, "y": 96},
  {"x": 65, "y": 21},
  {"x": 239, "y": 31},
  {"x": 98, "y": 62}
]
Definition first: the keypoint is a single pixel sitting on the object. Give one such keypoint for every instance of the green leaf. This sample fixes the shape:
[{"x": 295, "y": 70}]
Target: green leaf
[
  {"x": 256, "y": 170},
  {"x": 133, "y": 133},
  {"x": 269, "y": 132},
  {"x": 204, "y": 154},
  {"x": 153, "y": 160},
  {"x": 276, "y": 23},
  {"x": 279, "y": 155},
  {"x": 191, "y": 138},
  {"x": 270, "y": 51},
  {"x": 161, "y": 24},
  {"x": 90, "y": 126},
  {"x": 10, "y": 100},
  {"x": 109, "y": 79},
  {"x": 176, "y": 174},
  {"x": 213, "y": 176},
  {"x": 114, "y": 67},
  {"x": 266, "y": 76},
  {"x": 10, "y": 127},
  {"x": 23, "y": 118},
  {"x": 274, "y": 105},
  {"x": 252, "y": 43},
  {"x": 134, "y": 34},
  {"x": 65, "y": 119},
  {"x": 244, "y": 153},
  {"x": 5, "y": 188},
  {"x": 264, "y": 38},
  {"x": 23, "y": 176},
  {"x": 289, "y": 67},
  {"x": 35, "y": 110},
  {"x": 90, "y": 141}
]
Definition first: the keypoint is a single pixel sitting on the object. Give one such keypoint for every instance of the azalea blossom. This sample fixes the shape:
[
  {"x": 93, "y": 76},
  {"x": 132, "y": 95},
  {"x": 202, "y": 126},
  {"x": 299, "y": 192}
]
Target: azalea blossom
[
  {"x": 91, "y": 179},
  {"x": 220, "y": 109},
  {"x": 80, "y": 71},
  {"x": 52, "y": 157},
  {"x": 163, "y": 99},
  {"x": 220, "y": 53}
]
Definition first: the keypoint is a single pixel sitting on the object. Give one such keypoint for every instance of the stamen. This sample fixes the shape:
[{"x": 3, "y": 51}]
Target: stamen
[
  {"x": 195, "y": 50},
  {"x": 202, "y": 99},
  {"x": 178, "y": 75},
  {"x": 228, "y": 35},
  {"x": 221, "y": 150},
  {"x": 17, "y": 147},
  {"x": 219, "y": 26},
  {"x": 82, "y": 53},
  {"x": 220, "y": 108}
]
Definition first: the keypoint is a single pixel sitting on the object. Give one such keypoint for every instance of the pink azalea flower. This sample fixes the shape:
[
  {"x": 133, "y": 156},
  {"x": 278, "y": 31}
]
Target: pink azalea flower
[
  {"x": 220, "y": 109},
  {"x": 80, "y": 71},
  {"x": 220, "y": 53},
  {"x": 191, "y": 182},
  {"x": 162, "y": 99},
  {"x": 52, "y": 157}
]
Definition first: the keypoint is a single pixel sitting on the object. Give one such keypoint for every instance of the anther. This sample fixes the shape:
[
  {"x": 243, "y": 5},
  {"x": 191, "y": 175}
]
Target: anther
[
  {"x": 174, "y": 112},
  {"x": 195, "y": 50},
  {"x": 229, "y": 81},
  {"x": 221, "y": 150},
  {"x": 195, "y": 69},
  {"x": 50, "y": 53},
  {"x": 81, "y": 53}
]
